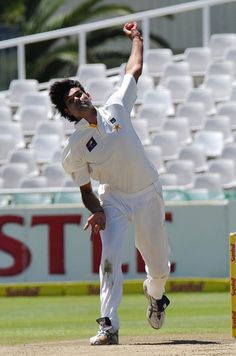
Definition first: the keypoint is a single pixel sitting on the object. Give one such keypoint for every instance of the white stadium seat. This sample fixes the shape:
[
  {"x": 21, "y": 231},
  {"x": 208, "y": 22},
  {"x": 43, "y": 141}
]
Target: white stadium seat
[
  {"x": 99, "y": 89},
  {"x": 90, "y": 71},
  {"x": 20, "y": 87},
  {"x": 25, "y": 155},
  {"x": 158, "y": 96},
  {"x": 222, "y": 124},
  {"x": 154, "y": 114},
  {"x": 157, "y": 59},
  {"x": 44, "y": 147},
  {"x": 228, "y": 109},
  {"x": 226, "y": 169},
  {"x": 220, "y": 84},
  {"x": 13, "y": 173},
  {"x": 198, "y": 59},
  {"x": 55, "y": 174},
  {"x": 154, "y": 154},
  {"x": 38, "y": 98},
  {"x": 7, "y": 144},
  {"x": 5, "y": 113},
  {"x": 181, "y": 126},
  {"x": 184, "y": 169},
  {"x": 211, "y": 141},
  {"x": 203, "y": 95},
  {"x": 29, "y": 116},
  {"x": 145, "y": 82},
  {"x": 212, "y": 182},
  {"x": 195, "y": 112},
  {"x": 196, "y": 154},
  {"x": 15, "y": 130},
  {"x": 168, "y": 141},
  {"x": 220, "y": 42},
  {"x": 179, "y": 87},
  {"x": 141, "y": 128}
]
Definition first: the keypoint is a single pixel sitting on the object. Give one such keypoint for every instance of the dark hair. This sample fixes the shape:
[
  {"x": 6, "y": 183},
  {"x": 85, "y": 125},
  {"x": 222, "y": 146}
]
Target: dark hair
[{"x": 58, "y": 91}]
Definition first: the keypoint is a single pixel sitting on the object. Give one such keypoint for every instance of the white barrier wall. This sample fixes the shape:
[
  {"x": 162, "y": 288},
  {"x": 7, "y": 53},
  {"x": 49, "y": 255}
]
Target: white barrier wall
[{"x": 49, "y": 244}]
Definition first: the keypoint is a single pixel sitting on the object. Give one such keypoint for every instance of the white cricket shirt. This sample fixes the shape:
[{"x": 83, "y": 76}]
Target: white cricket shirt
[{"x": 110, "y": 152}]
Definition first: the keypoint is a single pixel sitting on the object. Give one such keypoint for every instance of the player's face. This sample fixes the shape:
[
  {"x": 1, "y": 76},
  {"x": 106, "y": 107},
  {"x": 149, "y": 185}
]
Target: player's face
[{"x": 77, "y": 102}]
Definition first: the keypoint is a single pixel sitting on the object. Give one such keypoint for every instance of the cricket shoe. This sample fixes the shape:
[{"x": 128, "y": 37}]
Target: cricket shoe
[
  {"x": 156, "y": 309},
  {"x": 106, "y": 334}
]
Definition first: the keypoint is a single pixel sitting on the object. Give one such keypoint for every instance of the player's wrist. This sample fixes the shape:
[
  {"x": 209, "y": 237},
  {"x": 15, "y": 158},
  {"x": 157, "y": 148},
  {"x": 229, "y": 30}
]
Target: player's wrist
[
  {"x": 97, "y": 210},
  {"x": 136, "y": 35}
]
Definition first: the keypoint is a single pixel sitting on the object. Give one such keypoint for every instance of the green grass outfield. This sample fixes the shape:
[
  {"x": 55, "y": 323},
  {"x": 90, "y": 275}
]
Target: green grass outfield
[{"x": 51, "y": 318}]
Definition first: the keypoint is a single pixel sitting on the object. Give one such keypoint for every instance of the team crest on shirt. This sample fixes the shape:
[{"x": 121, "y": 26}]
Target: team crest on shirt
[
  {"x": 91, "y": 144},
  {"x": 116, "y": 127}
]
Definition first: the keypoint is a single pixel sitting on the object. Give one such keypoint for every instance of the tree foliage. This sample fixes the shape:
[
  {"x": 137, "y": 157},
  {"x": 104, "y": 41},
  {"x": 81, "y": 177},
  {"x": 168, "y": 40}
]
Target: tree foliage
[{"x": 59, "y": 57}]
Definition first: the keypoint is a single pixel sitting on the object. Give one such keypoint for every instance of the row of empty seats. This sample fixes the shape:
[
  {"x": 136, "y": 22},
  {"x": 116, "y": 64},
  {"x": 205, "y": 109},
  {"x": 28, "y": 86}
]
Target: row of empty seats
[{"x": 185, "y": 116}]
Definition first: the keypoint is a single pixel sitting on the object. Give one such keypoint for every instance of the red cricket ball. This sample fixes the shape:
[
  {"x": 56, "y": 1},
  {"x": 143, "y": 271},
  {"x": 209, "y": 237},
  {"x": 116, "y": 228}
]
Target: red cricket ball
[{"x": 129, "y": 26}]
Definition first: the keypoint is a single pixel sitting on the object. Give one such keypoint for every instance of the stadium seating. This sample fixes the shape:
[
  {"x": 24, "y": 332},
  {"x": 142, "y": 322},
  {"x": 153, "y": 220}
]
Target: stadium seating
[
  {"x": 173, "y": 69},
  {"x": 44, "y": 147},
  {"x": 226, "y": 168},
  {"x": 220, "y": 84},
  {"x": 154, "y": 114},
  {"x": 168, "y": 141},
  {"x": 7, "y": 143},
  {"x": 39, "y": 99},
  {"x": 34, "y": 184},
  {"x": 185, "y": 117},
  {"x": 145, "y": 82},
  {"x": 195, "y": 112},
  {"x": 203, "y": 95},
  {"x": 29, "y": 116},
  {"x": 86, "y": 72},
  {"x": 141, "y": 128},
  {"x": 229, "y": 152},
  {"x": 13, "y": 173},
  {"x": 224, "y": 68},
  {"x": 15, "y": 130},
  {"x": 211, "y": 141},
  {"x": 212, "y": 182},
  {"x": 159, "y": 95},
  {"x": 229, "y": 109},
  {"x": 154, "y": 153},
  {"x": 220, "y": 123},
  {"x": 5, "y": 113},
  {"x": 179, "y": 87},
  {"x": 25, "y": 156},
  {"x": 181, "y": 126},
  {"x": 18, "y": 88},
  {"x": 156, "y": 60},
  {"x": 220, "y": 42},
  {"x": 99, "y": 90},
  {"x": 198, "y": 59},
  {"x": 196, "y": 154},
  {"x": 184, "y": 170},
  {"x": 51, "y": 127}
]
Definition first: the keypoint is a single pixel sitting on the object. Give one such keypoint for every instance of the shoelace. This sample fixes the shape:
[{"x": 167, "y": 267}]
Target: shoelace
[
  {"x": 104, "y": 329},
  {"x": 154, "y": 307}
]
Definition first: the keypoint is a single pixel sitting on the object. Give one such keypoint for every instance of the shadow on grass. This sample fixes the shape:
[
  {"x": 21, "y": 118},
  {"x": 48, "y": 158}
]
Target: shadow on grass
[{"x": 179, "y": 342}]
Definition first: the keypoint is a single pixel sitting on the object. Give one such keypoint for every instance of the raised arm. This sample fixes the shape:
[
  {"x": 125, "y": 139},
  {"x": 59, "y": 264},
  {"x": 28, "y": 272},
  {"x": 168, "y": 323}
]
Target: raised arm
[{"x": 135, "y": 62}]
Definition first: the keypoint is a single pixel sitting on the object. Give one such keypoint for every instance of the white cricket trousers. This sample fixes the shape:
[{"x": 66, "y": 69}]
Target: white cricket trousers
[{"x": 145, "y": 210}]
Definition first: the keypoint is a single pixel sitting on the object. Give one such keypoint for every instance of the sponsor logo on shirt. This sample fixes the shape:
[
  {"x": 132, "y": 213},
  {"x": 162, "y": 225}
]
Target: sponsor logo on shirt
[
  {"x": 113, "y": 120},
  {"x": 91, "y": 144}
]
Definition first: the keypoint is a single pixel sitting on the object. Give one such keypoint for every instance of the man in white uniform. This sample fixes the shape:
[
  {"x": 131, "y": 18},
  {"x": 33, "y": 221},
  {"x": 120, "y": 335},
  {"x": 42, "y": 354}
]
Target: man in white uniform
[{"x": 106, "y": 148}]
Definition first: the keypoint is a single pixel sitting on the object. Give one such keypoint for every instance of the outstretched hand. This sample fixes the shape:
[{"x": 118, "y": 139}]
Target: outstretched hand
[{"x": 97, "y": 221}]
